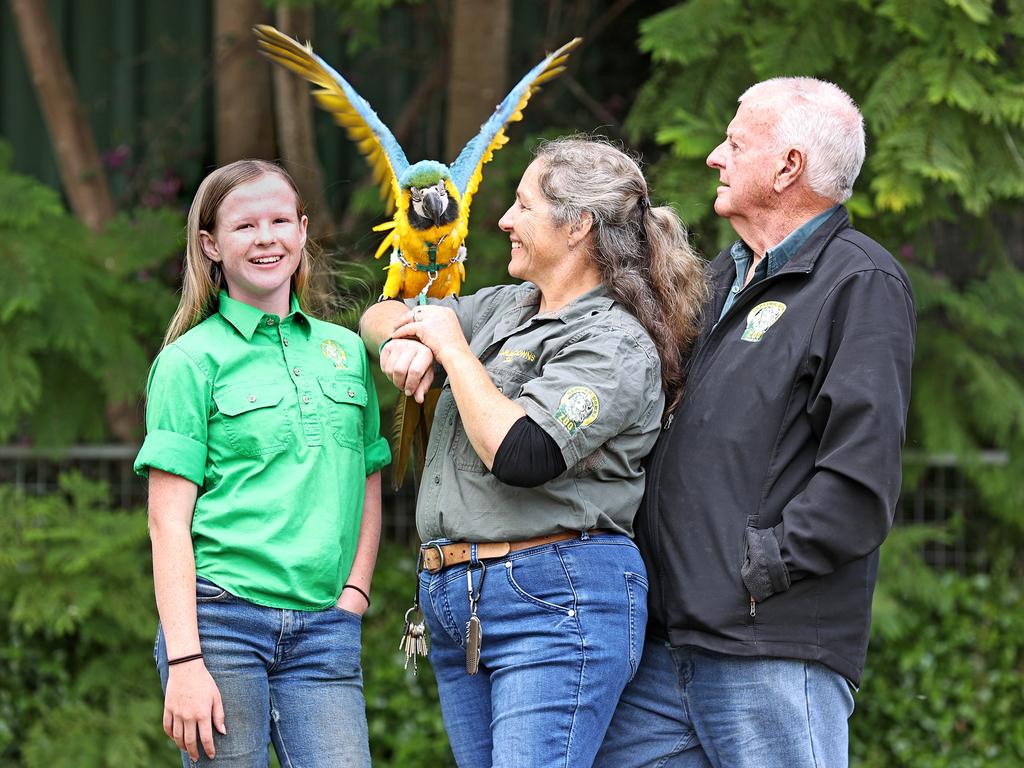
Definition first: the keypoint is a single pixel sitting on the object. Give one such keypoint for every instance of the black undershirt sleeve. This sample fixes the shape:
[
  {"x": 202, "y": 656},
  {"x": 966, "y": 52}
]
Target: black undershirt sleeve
[{"x": 528, "y": 456}]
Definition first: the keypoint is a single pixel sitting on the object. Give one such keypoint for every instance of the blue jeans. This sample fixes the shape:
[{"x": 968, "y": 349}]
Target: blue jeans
[
  {"x": 563, "y": 627},
  {"x": 690, "y": 708},
  {"x": 291, "y": 677}
]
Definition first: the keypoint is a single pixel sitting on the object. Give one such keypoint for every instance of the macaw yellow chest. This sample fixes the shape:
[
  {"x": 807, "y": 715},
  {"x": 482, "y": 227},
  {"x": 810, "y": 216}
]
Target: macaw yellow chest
[
  {"x": 427, "y": 259},
  {"x": 427, "y": 247}
]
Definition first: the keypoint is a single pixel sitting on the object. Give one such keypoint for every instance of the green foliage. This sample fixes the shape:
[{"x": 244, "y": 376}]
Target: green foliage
[
  {"x": 968, "y": 387},
  {"x": 80, "y": 312},
  {"x": 78, "y": 687},
  {"x": 940, "y": 85},
  {"x": 77, "y": 682},
  {"x": 942, "y": 687}
]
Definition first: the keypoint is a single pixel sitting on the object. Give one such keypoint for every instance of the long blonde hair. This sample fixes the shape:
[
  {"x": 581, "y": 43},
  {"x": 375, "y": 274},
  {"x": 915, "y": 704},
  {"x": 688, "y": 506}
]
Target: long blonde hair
[
  {"x": 203, "y": 279},
  {"x": 646, "y": 261}
]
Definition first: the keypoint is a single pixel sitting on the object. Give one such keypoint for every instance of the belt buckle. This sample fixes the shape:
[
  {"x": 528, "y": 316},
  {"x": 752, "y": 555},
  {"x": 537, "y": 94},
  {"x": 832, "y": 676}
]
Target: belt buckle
[{"x": 421, "y": 566}]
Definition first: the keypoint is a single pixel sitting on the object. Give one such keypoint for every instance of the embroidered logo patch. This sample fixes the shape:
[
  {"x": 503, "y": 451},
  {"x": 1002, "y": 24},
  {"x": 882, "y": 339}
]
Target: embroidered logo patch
[
  {"x": 332, "y": 351},
  {"x": 512, "y": 354},
  {"x": 577, "y": 409},
  {"x": 761, "y": 318}
]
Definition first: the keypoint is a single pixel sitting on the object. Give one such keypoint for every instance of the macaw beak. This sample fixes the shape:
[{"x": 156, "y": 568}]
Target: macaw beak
[{"x": 433, "y": 206}]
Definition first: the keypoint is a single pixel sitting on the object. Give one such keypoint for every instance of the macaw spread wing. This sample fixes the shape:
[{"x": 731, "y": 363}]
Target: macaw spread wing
[
  {"x": 351, "y": 111},
  {"x": 467, "y": 170}
]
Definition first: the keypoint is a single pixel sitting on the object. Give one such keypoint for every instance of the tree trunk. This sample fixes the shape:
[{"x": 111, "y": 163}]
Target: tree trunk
[
  {"x": 78, "y": 162},
  {"x": 296, "y": 138},
  {"x": 479, "y": 68},
  {"x": 245, "y": 122}
]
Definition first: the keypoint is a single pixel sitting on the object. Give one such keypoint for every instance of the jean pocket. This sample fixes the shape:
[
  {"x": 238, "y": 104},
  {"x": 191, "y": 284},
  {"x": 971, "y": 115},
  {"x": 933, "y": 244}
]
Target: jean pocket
[
  {"x": 207, "y": 591},
  {"x": 636, "y": 592},
  {"x": 541, "y": 580},
  {"x": 346, "y": 613}
]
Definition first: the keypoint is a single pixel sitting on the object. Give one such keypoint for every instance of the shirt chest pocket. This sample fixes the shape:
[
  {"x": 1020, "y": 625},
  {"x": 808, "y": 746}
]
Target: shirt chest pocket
[
  {"x": 253, "y": 418},
  {"x": 345, "y": 406},
  {"x": 510, "y": 383}
]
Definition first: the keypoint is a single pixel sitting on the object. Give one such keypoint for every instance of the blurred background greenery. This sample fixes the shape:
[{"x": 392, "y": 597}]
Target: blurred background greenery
[{"x": 94, "y": 183}]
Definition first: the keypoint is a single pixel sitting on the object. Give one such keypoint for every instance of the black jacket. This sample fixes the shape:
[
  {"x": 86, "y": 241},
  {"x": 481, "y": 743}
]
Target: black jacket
[{"x": 778, "y": 476}]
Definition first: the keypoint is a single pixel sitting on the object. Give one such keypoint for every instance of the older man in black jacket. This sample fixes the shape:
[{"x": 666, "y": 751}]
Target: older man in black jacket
[{"x": 775, "y": 483}]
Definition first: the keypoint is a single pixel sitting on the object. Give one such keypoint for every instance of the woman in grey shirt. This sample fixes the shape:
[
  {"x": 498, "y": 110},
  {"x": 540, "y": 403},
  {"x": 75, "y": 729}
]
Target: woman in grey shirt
[{"x": 554, "y": 391}]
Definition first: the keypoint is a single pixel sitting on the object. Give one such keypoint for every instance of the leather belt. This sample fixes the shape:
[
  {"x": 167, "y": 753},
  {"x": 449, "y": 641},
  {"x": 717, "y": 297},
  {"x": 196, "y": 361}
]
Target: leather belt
[{"x": 436, "y": 557}]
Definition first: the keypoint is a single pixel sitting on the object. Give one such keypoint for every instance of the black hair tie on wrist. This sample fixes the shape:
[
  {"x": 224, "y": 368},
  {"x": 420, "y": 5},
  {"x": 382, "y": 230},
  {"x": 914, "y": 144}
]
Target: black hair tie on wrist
[
  {"x": 366, "y": 597},
  {"x": 183, "y": 659}
]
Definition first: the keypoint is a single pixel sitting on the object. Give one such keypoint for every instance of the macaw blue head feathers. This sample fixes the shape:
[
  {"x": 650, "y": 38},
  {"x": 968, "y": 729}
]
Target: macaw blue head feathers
[{"x": 425, "y": 173}]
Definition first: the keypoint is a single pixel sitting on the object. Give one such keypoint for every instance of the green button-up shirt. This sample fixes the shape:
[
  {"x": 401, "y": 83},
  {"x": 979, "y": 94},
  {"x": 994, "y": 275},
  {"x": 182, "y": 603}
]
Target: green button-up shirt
[
  {"x": 276, "y": 420},
  {"x": 590, "y": 376}
]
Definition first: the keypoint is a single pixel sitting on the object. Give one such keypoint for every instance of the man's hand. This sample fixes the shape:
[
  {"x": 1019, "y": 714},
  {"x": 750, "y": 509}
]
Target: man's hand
[
  {"x": 193, "y": 704},
  {"x": 410, "y": 366}
]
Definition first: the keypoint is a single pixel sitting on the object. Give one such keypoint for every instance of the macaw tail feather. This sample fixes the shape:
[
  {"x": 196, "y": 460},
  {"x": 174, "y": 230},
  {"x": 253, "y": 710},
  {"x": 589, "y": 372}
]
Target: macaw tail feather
[{"x": 411, "y": 431}]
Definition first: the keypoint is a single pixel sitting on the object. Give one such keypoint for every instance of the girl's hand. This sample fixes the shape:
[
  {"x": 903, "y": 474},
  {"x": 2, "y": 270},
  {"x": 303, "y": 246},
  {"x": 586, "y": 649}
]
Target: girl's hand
[{"x": 193, "y": 705}]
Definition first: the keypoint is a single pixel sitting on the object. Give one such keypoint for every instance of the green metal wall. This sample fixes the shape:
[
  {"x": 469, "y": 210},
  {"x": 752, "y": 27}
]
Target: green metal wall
[{"x": 141, "y": 70}]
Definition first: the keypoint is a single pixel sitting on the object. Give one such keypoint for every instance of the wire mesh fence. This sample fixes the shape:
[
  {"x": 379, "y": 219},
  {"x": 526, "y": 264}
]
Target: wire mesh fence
[{"x": 942, "y": 496}]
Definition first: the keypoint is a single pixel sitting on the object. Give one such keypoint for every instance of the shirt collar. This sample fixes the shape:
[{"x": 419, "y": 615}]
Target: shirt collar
[
  {"x": 246, "y": 318},
  {"x": 780, "y": 255},
  {"x": 596, "y": 299}
]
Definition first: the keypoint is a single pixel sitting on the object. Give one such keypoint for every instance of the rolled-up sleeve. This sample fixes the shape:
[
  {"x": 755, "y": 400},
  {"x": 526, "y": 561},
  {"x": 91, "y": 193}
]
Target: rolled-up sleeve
[
  {"x": 177, "y": 415},
  {"x": 595, "y": 388},
  {"x": 376, "y": 451}
]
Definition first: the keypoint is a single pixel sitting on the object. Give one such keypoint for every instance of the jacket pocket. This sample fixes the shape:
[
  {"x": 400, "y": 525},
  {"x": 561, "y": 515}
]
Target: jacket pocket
[
  {"x": 253, "y": 417},
  {"x": 345, "y": 402}
]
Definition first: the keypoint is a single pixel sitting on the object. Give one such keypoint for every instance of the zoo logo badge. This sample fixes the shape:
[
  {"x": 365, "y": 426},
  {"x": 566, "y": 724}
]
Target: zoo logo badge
[
  {"x": 333, "y": 352},
  {"x": 577, "y": 409},
  {"x": 761, "y": 318}
]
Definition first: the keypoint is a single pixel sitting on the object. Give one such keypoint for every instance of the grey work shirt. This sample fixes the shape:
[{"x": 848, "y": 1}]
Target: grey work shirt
[{"x": 590, "y": 376}]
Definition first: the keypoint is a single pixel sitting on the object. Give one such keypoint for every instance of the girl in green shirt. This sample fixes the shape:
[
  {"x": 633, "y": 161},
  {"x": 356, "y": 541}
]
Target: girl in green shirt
[{"x": 263, "y": 452}]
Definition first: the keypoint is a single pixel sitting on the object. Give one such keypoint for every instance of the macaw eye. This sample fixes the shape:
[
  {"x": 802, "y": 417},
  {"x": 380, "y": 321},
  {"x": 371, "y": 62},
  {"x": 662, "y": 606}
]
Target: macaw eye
[
  {"x": 417, "y": 194},
  {"x": 441, "y": 189}
]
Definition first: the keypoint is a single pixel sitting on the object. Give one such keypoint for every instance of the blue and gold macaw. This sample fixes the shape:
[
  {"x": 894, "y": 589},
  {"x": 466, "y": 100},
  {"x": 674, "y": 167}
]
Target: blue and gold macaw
[{"x": 430, "y": 200}]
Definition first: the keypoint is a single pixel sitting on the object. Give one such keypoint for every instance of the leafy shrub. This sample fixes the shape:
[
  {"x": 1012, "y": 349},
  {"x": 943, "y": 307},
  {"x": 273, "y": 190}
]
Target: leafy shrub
[
  {"x": 78, "y": 688},
  {"x": 942, "y": 688},
  {"x": 77, "y": 683},
  {"x": 80, "y": 312}
]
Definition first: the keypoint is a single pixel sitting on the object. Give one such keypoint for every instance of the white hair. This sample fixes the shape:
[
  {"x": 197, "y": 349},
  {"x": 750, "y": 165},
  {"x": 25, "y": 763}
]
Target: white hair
[{"x": 821, "y": 119}]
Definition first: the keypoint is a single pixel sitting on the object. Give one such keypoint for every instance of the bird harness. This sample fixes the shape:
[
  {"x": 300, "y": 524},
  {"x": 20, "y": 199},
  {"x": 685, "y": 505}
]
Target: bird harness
[{"x": 431, "y": 268}]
